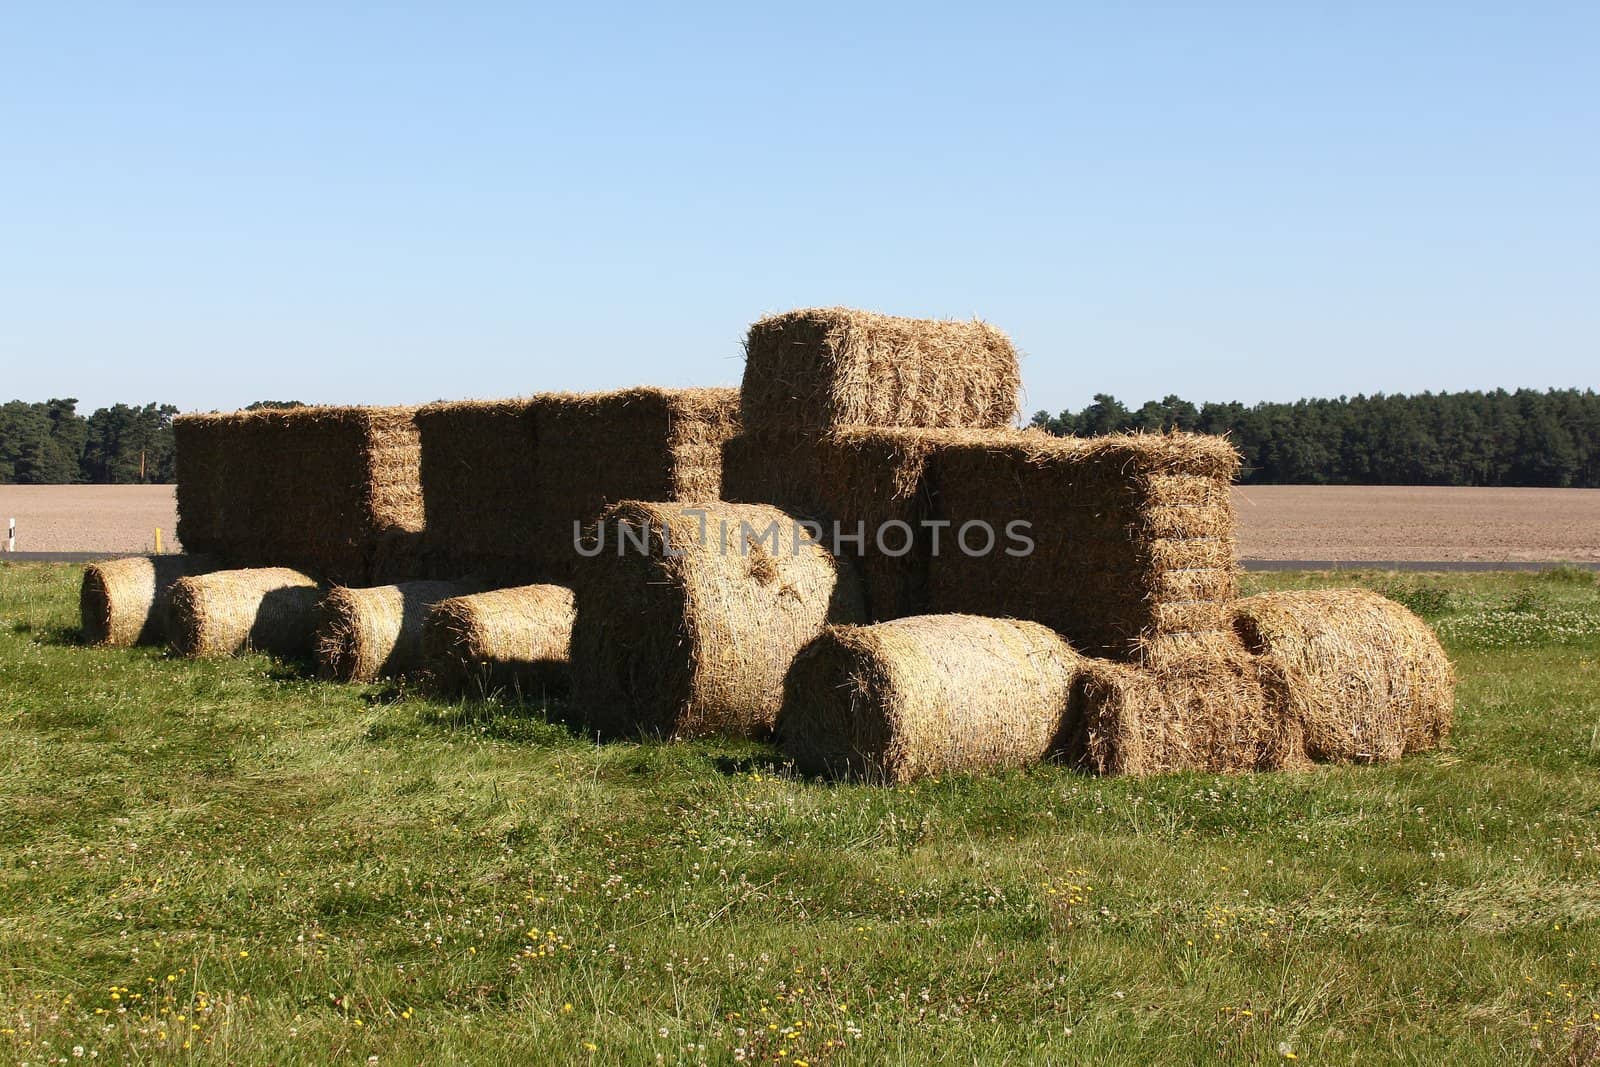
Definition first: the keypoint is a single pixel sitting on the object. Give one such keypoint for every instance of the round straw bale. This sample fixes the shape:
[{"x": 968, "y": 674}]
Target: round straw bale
[
  {"x": 124, "y": 601},
  {"x": 1368, "y": 679},
  {"x": 516, "y": 639},
  {"x": 270, "y": 609},
  {"x": 364, "y": 634},
  {"x": 925, "y": 695},
  {"x": 690, "y": 615}
]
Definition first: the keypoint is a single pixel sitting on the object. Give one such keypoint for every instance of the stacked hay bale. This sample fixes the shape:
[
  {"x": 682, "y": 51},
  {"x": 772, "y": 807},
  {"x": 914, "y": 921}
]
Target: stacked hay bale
[
  {"x": 479, "y": 463},
  {"x": 1126, "y": 546},
  {"x": 365, "y": 634},
  {"x": 516, "y": 640},
  {"x": 335, "y": 491},
  {"x": 926, "y": 695},
  {"x": 505, "y": 483},
  {"x": 837, "y": 405},
  {"x": 597, "y": 449},
  {"x": 1132, "y": 538},
  {"x": 124, "y": 601},
  {"x": 817, "y": 370},
  {"x": 690, "y": 615},
  {"x": 268, "y": 609},
  {"x": 1366, "y": 681}
]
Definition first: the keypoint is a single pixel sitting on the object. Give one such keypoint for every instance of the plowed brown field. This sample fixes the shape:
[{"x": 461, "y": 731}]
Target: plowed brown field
[{"x": 1347, "y": 523}]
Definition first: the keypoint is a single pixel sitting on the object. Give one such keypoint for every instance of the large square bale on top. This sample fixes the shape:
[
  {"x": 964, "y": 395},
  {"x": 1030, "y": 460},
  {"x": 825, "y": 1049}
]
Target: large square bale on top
[
  {"x": 597, "y": 449},
  {"x": 479, "y": 495},
  {"x": 1129, "y": 547},
  {"x": 820, "y": 369},
  {"x": 332, "y": 491}
]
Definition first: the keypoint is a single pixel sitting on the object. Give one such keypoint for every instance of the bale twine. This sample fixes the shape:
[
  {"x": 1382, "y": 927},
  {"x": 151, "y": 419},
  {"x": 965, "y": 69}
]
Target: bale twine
[
  {"x": 124, "y": 601},
  {"x": 365, "y": 634},
  {"x": 819, "y": 369},
  {"x": 689, "y": 630},
  {"x": 1368, "y": 679},
  {"x": 926, "y": 695},
  {"x": 1226, "y": 711},
  {"x": 269, "y": 609},
  {"x": 518, "y": 640}
]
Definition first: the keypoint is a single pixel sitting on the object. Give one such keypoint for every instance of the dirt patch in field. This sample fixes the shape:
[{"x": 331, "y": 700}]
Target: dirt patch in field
[
  {"x": 1354, "y": 523},
  {"x": 89, "y": 518},
  {"x": 1344, "y": 523}
]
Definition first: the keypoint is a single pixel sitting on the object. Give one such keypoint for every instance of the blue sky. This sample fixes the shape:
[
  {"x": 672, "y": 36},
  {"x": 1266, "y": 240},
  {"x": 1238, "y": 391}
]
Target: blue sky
[{"x": 394, "y": 203}]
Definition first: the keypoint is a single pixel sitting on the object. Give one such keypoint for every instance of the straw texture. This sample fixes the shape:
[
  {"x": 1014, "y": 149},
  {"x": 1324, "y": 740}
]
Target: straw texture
[
  {"x": 268, "y": 609},
  {"x": 479, "y": 471},
  {"x": 334, "y": 491},
  {"x": 124, "y": 601},
  {"x": 1368, "y": 679},
  {"x": 597, "y": 449},
  {"x": 517, "y": 640},
  {"x": 819, "y": 369},
  {"x": 926, "y": 695},
  {"x": 693, "y": 634},
  {"x": 365, "y": 634},
  {"x": 1228, "y": 711}
]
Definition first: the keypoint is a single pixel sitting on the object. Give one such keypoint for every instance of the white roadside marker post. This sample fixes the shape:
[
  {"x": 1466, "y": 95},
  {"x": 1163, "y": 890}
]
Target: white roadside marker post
[{"x": 11, "y": 535}]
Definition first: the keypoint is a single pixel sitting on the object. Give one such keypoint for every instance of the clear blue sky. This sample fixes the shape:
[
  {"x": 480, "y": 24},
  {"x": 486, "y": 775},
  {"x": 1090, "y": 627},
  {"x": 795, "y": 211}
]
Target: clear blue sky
[{"x": 390, "y": 203}]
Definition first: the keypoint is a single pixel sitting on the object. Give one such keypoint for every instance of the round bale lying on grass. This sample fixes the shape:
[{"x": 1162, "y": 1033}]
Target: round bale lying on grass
[
  {"x": 268, "y": 609},
  {"x": 690, "y": 615},
  {"x": 124, "y": 601},
  {"x": 518, "y": 640},
  {"x": 1367, "y": 679},
  {"x": 365, "y": 634},
  {"x": 926, "y": 695}
]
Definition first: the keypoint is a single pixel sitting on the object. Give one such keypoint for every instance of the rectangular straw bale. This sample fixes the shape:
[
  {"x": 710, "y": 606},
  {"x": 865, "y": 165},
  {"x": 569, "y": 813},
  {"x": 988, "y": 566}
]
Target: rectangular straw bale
[
  {"x": 1133, "y": 537},
  {"x": 1230, "y": 711},
  {"x": 597, "y": 449},
  {"x": 479, "y": 494},
  {"x": 333, "y": 491},
  {"x": 819, "y": 369},
  {"x": 200, "y": 442}
]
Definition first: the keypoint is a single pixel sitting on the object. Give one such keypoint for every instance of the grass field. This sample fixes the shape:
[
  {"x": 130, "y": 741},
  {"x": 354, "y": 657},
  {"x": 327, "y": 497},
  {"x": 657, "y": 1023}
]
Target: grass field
[{"x": 227, "y": 862}]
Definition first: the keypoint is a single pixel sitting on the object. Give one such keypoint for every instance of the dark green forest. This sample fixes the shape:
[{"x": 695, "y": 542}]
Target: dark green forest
[
  {"x": 51, "y": 444},
  {"x": 1523, "y": 438}
]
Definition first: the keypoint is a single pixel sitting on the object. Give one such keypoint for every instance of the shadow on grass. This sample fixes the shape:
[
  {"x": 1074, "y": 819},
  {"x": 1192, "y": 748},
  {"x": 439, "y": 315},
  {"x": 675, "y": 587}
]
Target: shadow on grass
[
  {"x": 774, "y": 765},
  {"x": 55, "y": 636},
  {"x": 531, "y": 722}
]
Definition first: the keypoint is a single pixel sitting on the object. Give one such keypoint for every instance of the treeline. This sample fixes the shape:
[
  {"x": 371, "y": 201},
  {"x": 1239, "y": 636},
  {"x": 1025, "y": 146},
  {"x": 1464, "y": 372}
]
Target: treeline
[
  {"x": 51, "y": 444},
  {"x": 1523, "y": 438}
]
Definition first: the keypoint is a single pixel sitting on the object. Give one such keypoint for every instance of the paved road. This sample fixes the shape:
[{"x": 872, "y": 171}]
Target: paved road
[{"x": 1470, "y": 566}]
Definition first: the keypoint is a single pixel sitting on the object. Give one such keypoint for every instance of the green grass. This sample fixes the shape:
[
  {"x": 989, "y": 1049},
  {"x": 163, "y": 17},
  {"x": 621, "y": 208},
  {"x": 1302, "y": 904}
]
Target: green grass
[{"x": 228, "y": 862}]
